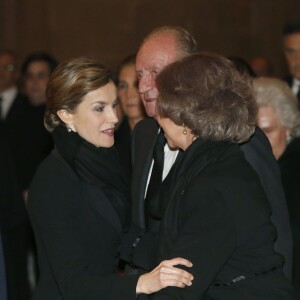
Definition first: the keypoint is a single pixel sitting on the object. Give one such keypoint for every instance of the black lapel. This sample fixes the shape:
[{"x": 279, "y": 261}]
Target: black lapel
[
  {"x": 143, "y": 143},
  {"x": 102, "y": 206}
]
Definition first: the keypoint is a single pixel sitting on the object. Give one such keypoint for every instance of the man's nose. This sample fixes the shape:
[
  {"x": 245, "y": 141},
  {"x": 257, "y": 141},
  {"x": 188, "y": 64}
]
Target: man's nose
[{"x": 146, "y": 83}]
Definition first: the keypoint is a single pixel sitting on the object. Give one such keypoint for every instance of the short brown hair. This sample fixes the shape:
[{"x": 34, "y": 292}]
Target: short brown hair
[
  {"x": 206, "y": 93},
  {"x": 185, "y": 42},
  {"x": 69, "y": 83}
]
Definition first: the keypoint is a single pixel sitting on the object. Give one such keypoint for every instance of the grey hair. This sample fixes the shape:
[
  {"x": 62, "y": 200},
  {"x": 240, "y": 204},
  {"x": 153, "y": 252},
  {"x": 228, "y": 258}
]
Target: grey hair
[
  {"x": 185, "y": 42},
  {"x": 275, "y": 93}
]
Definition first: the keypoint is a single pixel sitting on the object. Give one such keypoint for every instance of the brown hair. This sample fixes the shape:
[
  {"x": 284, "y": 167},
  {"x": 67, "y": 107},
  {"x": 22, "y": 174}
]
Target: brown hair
[
  {"x": 69, "y": 83},
  {"x": 206, "y": 93},
  {"x": 185, "y": 42}
]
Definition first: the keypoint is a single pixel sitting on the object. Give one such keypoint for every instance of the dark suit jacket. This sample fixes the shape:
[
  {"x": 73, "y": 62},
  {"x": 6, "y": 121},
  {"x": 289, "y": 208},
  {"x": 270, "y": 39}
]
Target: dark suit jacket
[
  {"x": 218, "y": 217},
  {"x": 13, "y": 227},
  {"x": 19, "y": 104},
  {"x": 289, "y": 81},
  {"x": 259, "y": 154},
  {"x": 289, "y": 163},
  {"x": 123, "y": 144},
  {"x": 33, "y": 145},
  {"x": 78, "y": 234},
  {"x": 15, "y": 129},
  {"x": 3, "y": 287}
]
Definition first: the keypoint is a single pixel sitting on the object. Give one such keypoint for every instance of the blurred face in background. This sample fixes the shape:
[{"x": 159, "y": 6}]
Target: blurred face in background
[
  {"x": 128, "y": 94},
  {"x": 291, "y": 44},
  {"x": 8, "y": 72},
  {"x": 35, "y": 81},
  {"x": 277, "y": 134}
]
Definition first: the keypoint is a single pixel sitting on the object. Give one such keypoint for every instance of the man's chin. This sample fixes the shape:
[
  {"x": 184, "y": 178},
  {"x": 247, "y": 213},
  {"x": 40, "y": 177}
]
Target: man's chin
[{"x": 151, "y": 109}]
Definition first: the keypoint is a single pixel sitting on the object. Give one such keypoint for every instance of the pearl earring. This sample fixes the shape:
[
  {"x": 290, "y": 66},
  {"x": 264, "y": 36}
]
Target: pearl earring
[
  {"x": 69, "y": 128},
  {"x": 184, "y": 129}
]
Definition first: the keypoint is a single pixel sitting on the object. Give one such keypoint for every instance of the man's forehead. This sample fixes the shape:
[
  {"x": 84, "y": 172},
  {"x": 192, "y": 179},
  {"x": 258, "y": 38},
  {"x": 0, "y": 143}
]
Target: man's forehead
[
  {"x": 292, "y": 39},
  {"x": 158, "y": 58},
  {"x": 158, "y": 50}
]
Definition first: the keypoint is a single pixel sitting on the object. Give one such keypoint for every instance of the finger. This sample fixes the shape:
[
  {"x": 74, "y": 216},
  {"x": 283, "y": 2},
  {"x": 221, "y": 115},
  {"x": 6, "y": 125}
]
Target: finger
[
  {"x": 174, "y": 280},
  {"x": 176, "y": 271},
  {"x": 178, "y": 261}
]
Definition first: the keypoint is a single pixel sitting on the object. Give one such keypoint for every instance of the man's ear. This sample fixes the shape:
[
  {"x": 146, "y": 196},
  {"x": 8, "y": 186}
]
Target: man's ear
[{"x": 67, "y": 118}]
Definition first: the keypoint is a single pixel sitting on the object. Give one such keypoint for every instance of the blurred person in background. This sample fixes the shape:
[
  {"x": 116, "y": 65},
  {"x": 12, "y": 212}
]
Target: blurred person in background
[
  {"x": 291, "y": 45},
  {"x": 11, "y": 100},
  {"x": 36, "y": 142},
  {"x": 14, "y": 219},
  {"x": 132, "y": 107},
  {"x": 261, "y": 66},
  {"x": 278, "y": 117}
]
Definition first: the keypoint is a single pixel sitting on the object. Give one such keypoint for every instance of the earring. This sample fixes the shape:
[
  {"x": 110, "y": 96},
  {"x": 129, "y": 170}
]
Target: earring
[
  {"x": 69, "y": 128},
  {"x": 184, "y": 129}
]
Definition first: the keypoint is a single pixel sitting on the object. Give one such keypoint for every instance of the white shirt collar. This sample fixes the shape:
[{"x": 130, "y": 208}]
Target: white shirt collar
[
  {"x": 295, "y": 85},
  {"x": 8, "y": 97}
]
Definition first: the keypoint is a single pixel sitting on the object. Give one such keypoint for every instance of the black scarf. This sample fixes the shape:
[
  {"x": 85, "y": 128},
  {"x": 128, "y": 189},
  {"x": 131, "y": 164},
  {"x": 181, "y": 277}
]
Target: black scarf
[
  {"x": 191, "y": 163},
  {"x": 97, "y": 166}
]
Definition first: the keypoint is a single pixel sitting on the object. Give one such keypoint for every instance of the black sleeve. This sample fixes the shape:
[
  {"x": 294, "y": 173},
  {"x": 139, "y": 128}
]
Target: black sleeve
[
  {"x": 61, "y": 233},
  {"x": 206, "y": 237}
]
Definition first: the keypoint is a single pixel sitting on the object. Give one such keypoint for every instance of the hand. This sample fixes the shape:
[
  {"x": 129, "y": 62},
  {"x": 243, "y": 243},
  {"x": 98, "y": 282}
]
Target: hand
[{"x": 165, "y": 274}]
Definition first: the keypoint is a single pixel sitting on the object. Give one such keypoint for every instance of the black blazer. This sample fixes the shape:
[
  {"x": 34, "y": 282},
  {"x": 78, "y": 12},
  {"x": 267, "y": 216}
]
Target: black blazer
[
  {"x": 257, "y": 151},
  {"x": 123, "y": 144},
  {"x": 13, "y": 227},
  {"x": 289, "y": 81},
  {"x": 218, "y": 217},
  {"x": 289, "y": 163},
  {"x": 78, "y": 234},
  {"x": 19, "y": 104}
]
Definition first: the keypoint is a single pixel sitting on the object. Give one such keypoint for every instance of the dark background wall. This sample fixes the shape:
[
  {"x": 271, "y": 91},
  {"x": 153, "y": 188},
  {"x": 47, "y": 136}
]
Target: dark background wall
[{"x": 112, "y": 29}]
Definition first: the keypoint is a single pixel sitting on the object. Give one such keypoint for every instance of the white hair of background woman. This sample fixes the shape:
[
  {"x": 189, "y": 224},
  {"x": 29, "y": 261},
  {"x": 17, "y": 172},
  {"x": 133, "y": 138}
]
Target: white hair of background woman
[{"x": 275, "y": 93}]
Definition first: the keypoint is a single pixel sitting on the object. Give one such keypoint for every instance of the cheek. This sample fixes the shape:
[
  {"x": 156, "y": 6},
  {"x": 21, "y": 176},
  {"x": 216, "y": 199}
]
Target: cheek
[{"x": 121, "y": 94}]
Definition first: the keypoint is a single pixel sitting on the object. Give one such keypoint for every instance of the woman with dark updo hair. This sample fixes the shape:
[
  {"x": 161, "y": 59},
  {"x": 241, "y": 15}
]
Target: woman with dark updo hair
[
  {"x": 79, "y": 199},
  {"x": 216, "y": 213},
  {"x": 132, "y": 107}
]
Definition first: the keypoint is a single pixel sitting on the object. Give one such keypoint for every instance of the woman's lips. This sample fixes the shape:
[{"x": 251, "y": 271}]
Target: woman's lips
[{"x": 109, "y": 132}]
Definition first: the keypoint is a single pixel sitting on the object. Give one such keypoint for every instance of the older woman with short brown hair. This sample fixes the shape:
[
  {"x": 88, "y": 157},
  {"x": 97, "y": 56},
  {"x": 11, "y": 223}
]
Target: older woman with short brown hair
[{"x": 216, "y": 212}]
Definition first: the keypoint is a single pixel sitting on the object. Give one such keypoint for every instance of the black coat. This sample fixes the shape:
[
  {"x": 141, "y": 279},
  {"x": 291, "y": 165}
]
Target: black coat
[
  {"x": 259, "y": 154},
  {"x": 289, "y": 163},
  {"x": 218, "y": 216},
  {"x": 13, "y": 227},
  {"x": 123, "y": 144},
  {"x": 289, "y": 80},
  {"x": 78, "y": 234}
]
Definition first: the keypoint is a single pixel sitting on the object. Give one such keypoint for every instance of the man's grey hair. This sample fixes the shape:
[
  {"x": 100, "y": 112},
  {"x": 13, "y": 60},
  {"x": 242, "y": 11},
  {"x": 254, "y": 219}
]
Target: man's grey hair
[{"x": 185, "y": 42}]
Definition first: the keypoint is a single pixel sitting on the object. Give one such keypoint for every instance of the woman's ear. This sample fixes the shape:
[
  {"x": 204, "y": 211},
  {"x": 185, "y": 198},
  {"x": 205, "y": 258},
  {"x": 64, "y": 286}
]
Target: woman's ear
[{"x": 67, "y": 118}]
